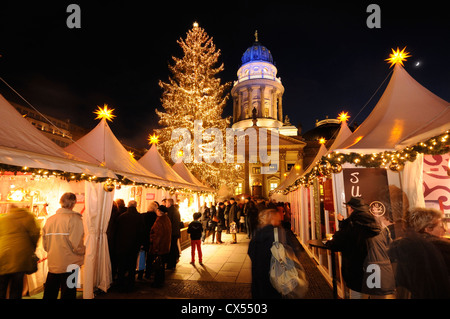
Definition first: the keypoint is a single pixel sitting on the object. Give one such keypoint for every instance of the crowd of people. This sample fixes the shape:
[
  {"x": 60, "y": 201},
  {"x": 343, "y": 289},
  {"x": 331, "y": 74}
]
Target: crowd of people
[
  {"x": 403, "y": 254},
  {"x": 235, "y": 217},
  {"x": 152, "y": 236}
]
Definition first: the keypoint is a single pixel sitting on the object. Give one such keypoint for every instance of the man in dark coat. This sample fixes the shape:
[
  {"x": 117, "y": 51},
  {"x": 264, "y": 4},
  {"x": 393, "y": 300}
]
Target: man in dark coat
[
  {"x": 175, "y": 219},
  {"x": 352, "y": 240},
  {"x": 251, "y": 216},
  {"x": 128, "y": 239}
]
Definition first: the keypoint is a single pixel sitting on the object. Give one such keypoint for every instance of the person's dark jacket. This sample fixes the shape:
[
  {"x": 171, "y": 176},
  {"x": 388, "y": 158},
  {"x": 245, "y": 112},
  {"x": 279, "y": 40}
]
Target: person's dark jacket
[
  {"x": 174, "y": 216},
  {"x": 251, "y": 211},
  {"x": 206, "y": 214},
  {"x": 260, "y": 255},
  {"x": 161, "y": 236},
  {"x": 221, "y": 218},
  {"x": 352, "y": 240},
  {"x": 149, "y": 219},
  {"x": 129, "y": 232},
  {"x": 377, "y": 254},
  {"x": 421, "y": 267},
  {"x": 233, "y": 213},
  {"x": 195, "y": 229}
]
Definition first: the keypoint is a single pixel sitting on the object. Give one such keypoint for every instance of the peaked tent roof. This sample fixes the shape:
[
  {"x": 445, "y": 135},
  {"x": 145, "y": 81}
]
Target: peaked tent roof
[
  {"x": 154, "y": 163},
  {"x": 344, "y": 133},
  {"x": 22, "y": 144},
  {"x": 406, "y": 109},
  {"x": 101, "y": 146},
  {"x": 182, "y": 170},
  {"x": 296, "y": 173}
]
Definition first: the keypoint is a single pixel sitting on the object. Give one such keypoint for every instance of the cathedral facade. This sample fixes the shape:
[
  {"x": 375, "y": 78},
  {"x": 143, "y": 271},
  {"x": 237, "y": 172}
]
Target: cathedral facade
[{"x": 258, "y": 102}]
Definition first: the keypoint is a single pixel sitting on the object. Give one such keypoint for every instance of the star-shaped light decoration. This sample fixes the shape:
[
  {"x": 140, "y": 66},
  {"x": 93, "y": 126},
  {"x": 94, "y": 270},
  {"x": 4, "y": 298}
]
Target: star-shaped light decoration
[
  {"x": 343, "y": 116},
  {"x": 397, "y": 57},
  {"x": 322, "y": 140},
  {"x": 153, "y": 139},
  {"x": 104, "y": 113}
]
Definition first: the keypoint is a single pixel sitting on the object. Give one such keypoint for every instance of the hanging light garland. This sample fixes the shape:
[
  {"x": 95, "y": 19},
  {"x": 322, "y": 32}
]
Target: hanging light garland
[{"x": 393, "y": 160}]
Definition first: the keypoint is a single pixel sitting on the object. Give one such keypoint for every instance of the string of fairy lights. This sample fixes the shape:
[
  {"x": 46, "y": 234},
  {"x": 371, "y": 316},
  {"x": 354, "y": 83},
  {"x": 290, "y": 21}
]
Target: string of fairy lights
[{"x": 393, "y": 160}]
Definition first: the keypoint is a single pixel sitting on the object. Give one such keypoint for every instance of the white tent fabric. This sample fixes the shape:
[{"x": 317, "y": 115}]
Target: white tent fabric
[
  {"x": 405, "y": 110},
  {"x": 412, "y": 176},
  {"x": 21, "y": 144},
  {"x": 182, "y": 170},
  {"x": 101, "y": 146},
  {"x": 344, "y": 133},
  {"x": 97, "y": 265},
  {"x": 154, "y": 163}
]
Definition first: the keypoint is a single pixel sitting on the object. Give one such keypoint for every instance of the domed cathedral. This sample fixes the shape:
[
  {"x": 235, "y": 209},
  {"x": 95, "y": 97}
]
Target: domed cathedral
[{"x": 258, "y": 102}]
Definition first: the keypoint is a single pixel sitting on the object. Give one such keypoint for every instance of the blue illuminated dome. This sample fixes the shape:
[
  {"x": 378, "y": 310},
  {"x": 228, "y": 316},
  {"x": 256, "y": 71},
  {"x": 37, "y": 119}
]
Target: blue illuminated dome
[{"x": 257, "y": 52}]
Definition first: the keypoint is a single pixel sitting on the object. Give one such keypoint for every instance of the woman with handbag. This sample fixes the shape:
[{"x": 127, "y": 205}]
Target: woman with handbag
[{"x": 19, "y": 234}]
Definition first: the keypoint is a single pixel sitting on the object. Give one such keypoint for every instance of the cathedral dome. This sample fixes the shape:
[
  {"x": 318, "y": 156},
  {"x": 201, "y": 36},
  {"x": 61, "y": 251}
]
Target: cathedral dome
[{"x": 257, "y": 52}]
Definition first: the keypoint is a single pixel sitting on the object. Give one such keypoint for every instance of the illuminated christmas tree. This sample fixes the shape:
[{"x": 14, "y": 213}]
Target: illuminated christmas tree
[{"x": 194, "y": 92}]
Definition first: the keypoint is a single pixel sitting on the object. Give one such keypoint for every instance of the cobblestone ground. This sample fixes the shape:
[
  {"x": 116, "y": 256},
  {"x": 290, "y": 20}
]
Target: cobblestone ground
[{"x": 193, "y": 289}]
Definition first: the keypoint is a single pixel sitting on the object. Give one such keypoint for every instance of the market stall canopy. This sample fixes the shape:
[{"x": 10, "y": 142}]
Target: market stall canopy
[
  {"x": 183, "y": 171},
  {"x": 101, "y": 146},
  {"x": 322, "y": 152},
  {"x": 405, "y": 110},
  {"x": 344, "y": 133},
  {"x": 22, "y": 144},
  {"x": 154, "y": 162},
  {"x": 294, "y": 174}
]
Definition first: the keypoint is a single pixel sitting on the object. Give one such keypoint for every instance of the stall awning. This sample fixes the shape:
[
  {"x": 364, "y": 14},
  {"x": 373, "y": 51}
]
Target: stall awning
[{"x": 405, "y": 110}]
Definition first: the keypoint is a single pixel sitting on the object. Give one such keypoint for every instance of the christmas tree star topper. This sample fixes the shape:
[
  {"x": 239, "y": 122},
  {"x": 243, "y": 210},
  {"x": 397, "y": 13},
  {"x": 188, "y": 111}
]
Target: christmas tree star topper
[
  {"x": 397, "y": 57},
  {"x": 104, "y": 113}
]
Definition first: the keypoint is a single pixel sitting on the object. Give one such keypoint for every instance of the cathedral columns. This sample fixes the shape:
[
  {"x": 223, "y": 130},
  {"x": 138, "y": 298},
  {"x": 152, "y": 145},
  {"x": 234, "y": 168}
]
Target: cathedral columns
[
  {"x": 249, "y": 103},
  {"x": 274, "y": 103},
  {"x": 262, "y": 104},
  {"x": 282, "y": 166},
  {"x": 280, "y": 108}
]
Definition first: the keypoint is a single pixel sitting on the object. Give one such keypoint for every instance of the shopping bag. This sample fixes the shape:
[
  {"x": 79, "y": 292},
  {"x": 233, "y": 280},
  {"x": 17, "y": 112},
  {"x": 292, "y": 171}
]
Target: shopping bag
[
  {"x": 141, "y": 260},
  {"x": 287, "y": 275},
  {"x": 233, "y": 229}
]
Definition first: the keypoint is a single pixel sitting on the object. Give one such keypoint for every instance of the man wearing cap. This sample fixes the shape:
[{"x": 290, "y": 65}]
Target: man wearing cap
[{"x": 352, "y": 240}]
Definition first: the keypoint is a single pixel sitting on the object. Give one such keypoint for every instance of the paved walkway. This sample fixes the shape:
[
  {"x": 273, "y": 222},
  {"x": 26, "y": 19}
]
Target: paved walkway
[{"x": 225, "y": 274}]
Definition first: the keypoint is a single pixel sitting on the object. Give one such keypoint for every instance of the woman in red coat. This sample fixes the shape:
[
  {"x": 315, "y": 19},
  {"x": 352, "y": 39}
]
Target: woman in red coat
[{"x": 160, "y": 238}]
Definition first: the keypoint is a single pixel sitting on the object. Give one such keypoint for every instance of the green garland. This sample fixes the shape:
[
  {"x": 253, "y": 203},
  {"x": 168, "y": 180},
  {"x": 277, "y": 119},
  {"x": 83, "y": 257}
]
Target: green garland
[
  {"x": 394, "y": 160},
  {"x": 78, "y": 177}
]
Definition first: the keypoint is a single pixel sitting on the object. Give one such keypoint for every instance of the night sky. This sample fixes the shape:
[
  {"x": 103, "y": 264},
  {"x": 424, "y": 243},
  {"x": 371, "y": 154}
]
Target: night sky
[{"x": 327, "y": 57}]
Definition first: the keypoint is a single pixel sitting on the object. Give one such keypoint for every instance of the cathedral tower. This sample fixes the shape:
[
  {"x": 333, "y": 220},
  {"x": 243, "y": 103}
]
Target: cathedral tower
[{"x": 257, "y": 88}]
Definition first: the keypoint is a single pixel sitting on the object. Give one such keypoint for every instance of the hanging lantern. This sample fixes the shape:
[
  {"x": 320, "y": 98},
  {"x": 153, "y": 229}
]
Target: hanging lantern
[
  {"x": 108, "y": 186},
  {"x": 395, "y": 166},
  {"x": 336, "y": 168},
  {"x": 324, "y": 167}
]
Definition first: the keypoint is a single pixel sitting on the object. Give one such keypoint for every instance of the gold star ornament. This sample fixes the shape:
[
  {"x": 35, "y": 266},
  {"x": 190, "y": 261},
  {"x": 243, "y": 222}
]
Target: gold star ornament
[
  {"x": 153, "y": 139},
  {"x": 104, "y": 113},
  {"x": 397, "y": 57}
]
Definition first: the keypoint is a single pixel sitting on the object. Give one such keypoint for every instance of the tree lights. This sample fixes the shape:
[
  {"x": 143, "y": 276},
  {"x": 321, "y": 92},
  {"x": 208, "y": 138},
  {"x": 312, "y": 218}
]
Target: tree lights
[{"x": 193, "y": 93}]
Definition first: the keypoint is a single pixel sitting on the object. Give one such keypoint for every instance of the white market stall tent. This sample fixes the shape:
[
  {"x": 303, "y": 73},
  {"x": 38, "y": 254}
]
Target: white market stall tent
[
  {"x": 36, "y": 172},
  {"x": 186, "y": 193},
  {"x": 135, "y": 183},
  {"x": 180, "y": 168},
  {"x": 376, "y": 161}
]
